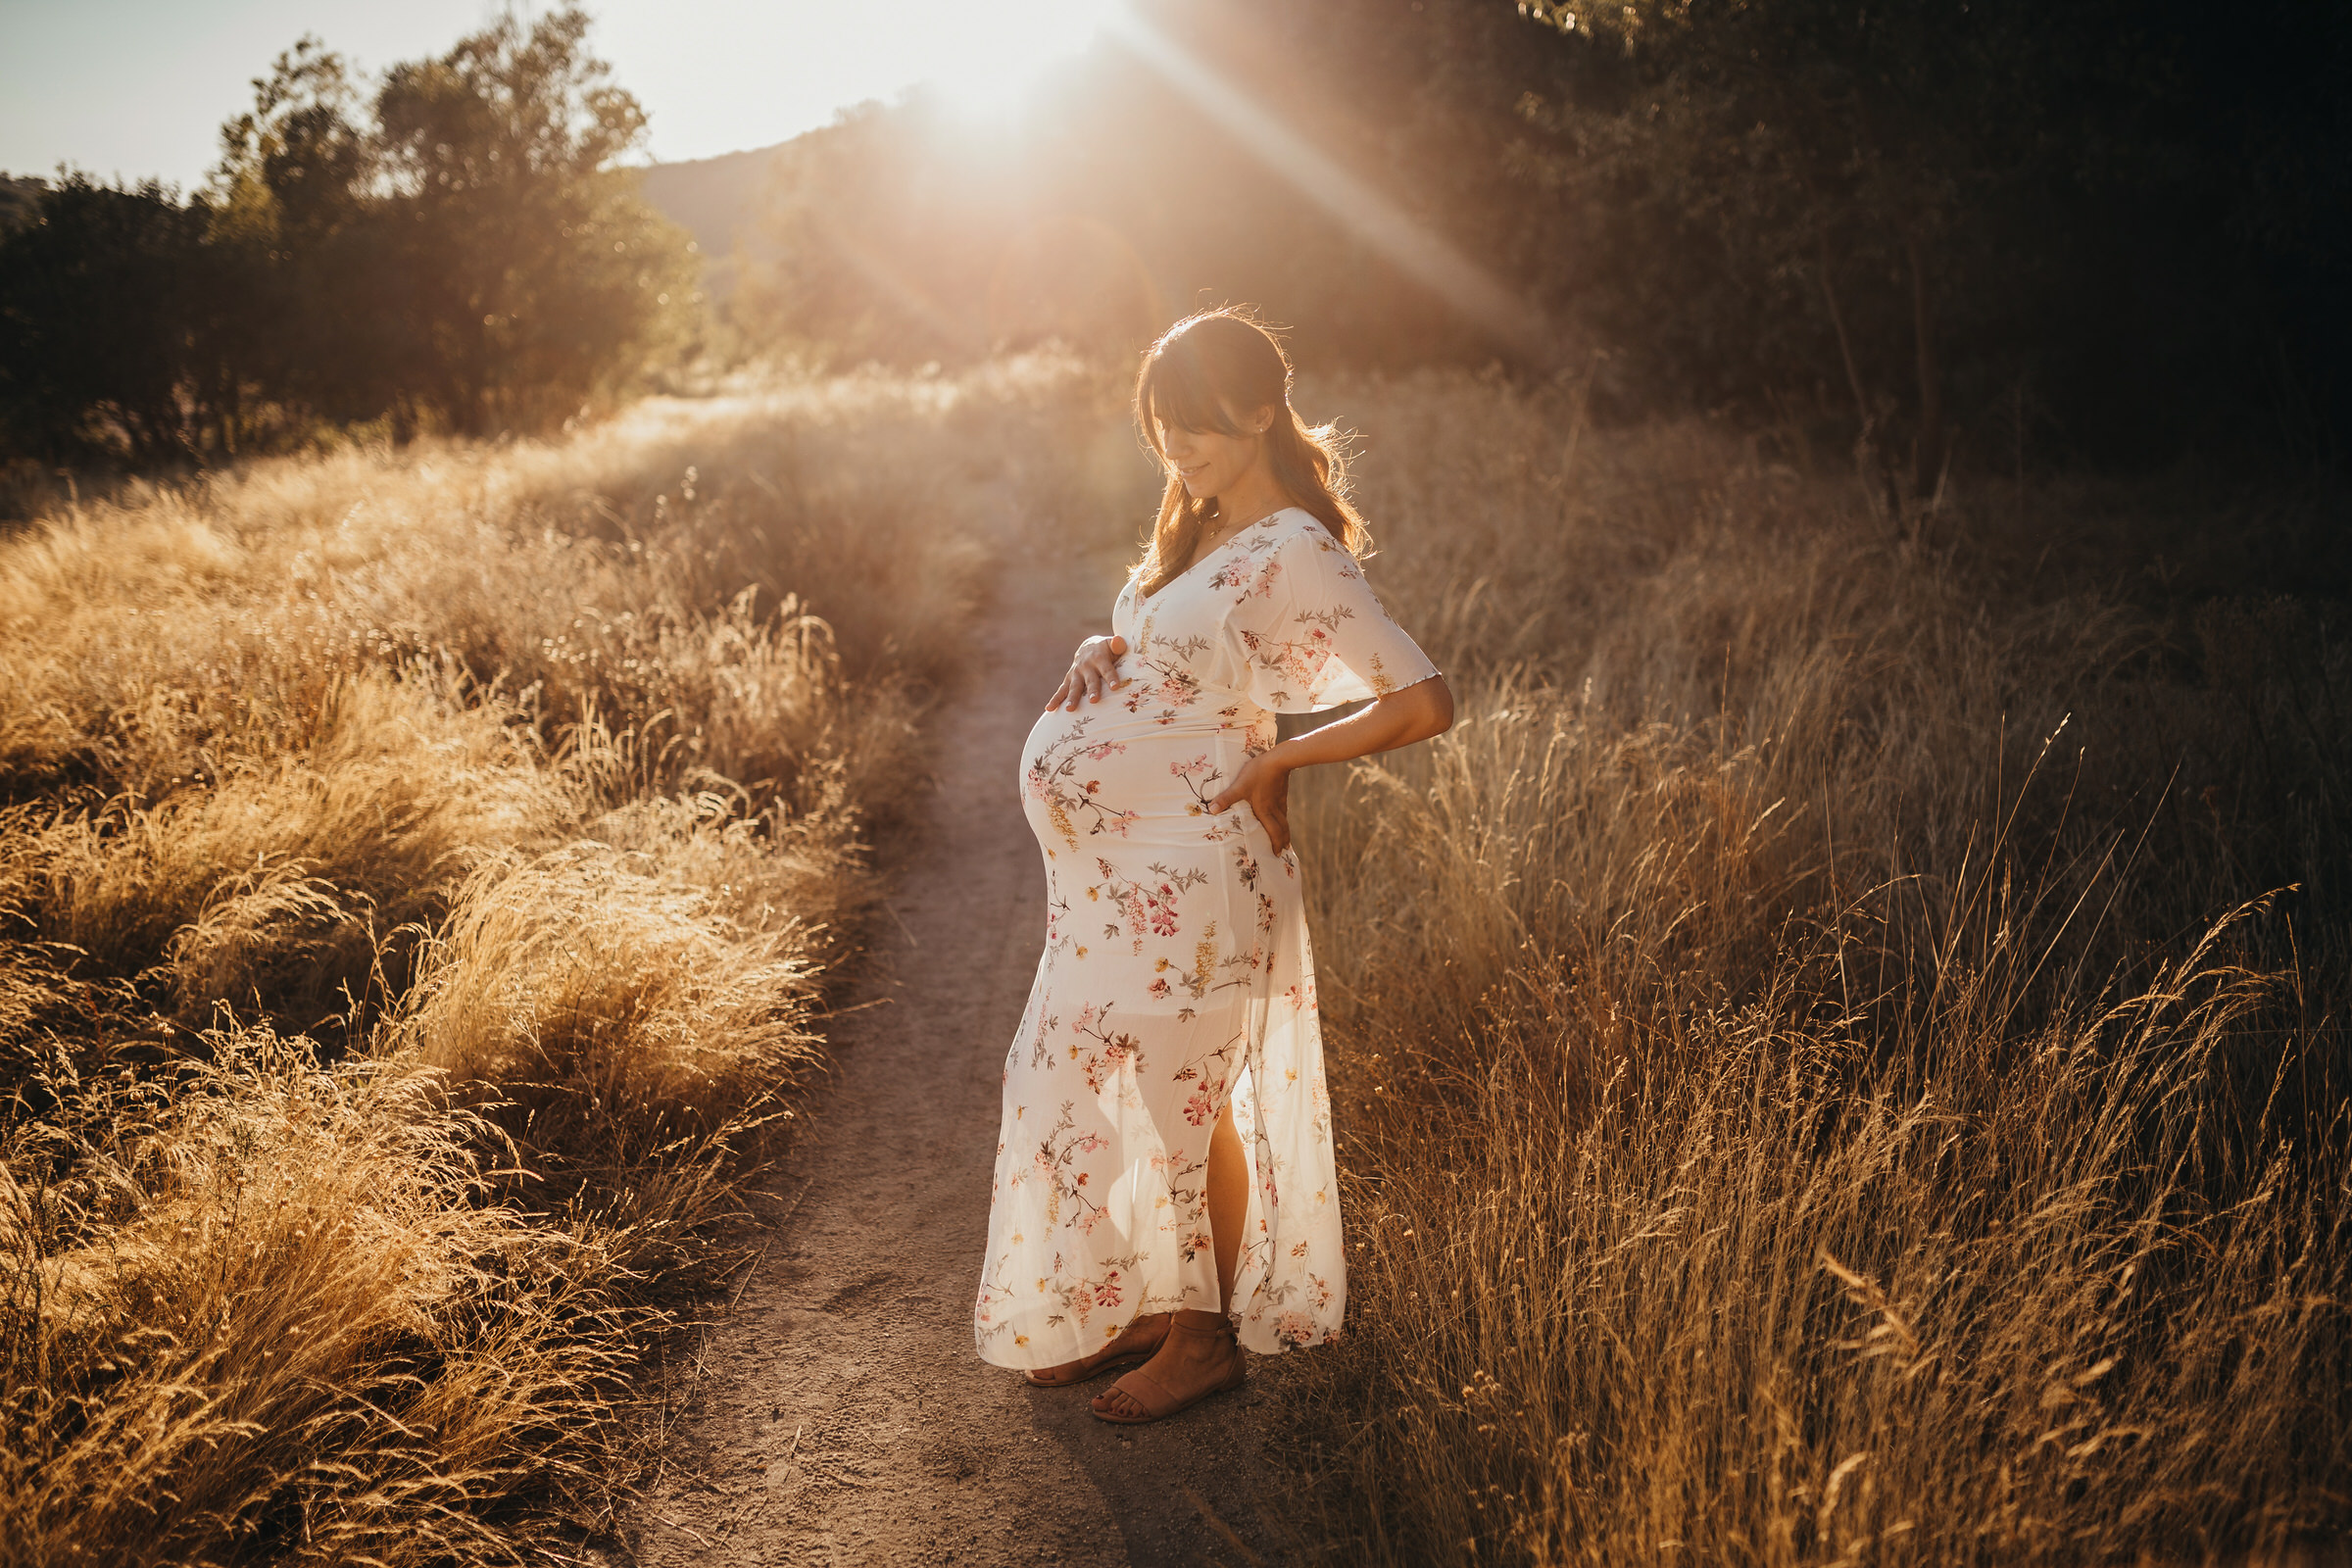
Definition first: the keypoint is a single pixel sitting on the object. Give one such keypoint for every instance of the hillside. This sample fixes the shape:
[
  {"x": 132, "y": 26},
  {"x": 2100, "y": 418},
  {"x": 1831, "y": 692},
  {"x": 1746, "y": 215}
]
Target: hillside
[{"x": 718, "y": 201}]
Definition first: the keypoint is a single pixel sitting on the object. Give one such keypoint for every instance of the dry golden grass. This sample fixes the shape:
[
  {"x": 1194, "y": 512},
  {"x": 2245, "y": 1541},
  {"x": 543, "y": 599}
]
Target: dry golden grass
[
  {"x": 421, "y": 873},
  {"x": 1828, "y": 1066},
  {"x": 255, "y": 1308},
  {"x": 1838, "y": 1055}
]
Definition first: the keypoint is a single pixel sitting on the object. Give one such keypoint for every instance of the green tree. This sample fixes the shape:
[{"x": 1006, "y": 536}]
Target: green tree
[
  {"x": 297, "y": 204},
  {"x": 531, "y": 273},
  {"x": 1807, "y": 143},
  {"x": 461, "y": 248},
  {"x": 2110, "y": 196},
  {"x": 97, "y": 309}
]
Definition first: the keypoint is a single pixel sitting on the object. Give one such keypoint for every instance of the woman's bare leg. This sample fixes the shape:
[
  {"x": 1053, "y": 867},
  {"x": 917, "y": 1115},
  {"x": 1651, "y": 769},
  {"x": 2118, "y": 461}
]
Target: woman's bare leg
[{"x": 1228, "y": 1201}]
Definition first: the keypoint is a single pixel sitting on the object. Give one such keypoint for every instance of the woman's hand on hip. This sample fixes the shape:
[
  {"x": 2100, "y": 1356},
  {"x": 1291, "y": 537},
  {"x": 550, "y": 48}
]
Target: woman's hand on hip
[
  {"x": 1407, "y": 714},
  {"x": 1264, "y": 785},
  {"x": 1094, "y": 671}
]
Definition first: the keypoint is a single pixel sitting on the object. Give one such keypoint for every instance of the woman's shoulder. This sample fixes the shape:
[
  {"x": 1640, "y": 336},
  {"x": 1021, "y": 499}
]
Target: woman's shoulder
[
  {"x": 1296, "y": 528},
  {"x": 1270, "y": 537},
  {"x": 1306, "y": 544}
]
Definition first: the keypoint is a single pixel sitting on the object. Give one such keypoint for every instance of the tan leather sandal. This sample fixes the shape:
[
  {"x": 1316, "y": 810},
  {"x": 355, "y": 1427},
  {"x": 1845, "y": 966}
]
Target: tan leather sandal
[
  {"x": 1147, "y": 1394},
  {"x": 1119, "y": 1355}
]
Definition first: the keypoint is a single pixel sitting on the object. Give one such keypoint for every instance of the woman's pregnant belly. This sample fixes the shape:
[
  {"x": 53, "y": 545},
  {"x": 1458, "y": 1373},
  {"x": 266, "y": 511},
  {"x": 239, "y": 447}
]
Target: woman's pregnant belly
[{"x": 1142, "y": 778}]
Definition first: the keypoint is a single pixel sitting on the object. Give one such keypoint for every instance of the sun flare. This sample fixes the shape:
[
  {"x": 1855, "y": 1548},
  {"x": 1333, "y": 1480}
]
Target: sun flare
[{"x": 984, "y": 60}]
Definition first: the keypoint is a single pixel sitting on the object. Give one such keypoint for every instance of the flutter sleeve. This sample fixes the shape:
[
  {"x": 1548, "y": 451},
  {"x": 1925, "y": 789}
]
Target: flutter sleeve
[{"x": 1309, "y": 632}]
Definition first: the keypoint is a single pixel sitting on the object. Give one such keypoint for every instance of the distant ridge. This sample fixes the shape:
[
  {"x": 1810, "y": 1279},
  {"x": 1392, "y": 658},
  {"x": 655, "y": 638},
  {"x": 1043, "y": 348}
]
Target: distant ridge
[{"x": 716, "y": 201}]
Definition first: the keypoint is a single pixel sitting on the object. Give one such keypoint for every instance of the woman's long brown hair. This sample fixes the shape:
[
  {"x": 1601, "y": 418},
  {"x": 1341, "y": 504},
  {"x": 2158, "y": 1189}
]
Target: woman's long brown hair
[{"x": 1212, "y": 372}]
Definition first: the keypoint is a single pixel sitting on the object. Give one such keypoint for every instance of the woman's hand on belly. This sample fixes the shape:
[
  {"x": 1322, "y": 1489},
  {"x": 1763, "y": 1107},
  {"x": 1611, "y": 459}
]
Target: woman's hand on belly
[
  {"x": 1264, "y": 785},
  {"x": 1094, "y": 671}
]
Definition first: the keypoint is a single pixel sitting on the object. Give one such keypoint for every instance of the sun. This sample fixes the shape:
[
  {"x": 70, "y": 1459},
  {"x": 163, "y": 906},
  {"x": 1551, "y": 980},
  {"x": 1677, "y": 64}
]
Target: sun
[{"x": 985, "y": 59}]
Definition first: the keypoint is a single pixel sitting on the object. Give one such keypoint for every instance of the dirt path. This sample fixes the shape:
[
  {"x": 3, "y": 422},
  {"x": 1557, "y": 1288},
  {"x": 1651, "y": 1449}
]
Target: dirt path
[{"x": 841, "y": 1415}]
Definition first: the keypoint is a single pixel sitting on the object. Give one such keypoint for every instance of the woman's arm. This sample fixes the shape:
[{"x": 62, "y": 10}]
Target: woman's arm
[{"x": 1411, "y": 713}]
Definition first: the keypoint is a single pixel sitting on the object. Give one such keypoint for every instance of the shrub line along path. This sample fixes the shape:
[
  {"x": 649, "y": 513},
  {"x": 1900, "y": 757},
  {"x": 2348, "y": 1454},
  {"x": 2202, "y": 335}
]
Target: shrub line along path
[{"x": 840, "y": 1414}]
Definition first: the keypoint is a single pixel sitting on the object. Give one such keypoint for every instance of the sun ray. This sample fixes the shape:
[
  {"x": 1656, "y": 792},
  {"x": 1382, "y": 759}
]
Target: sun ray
[
  {"x": 987, "y": 60},
  {"x": 1432, "y": 260}
]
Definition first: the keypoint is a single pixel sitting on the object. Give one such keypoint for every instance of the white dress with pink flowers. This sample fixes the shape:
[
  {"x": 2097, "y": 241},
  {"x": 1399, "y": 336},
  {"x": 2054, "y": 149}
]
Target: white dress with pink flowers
[{"x": 1176, "y": 972}]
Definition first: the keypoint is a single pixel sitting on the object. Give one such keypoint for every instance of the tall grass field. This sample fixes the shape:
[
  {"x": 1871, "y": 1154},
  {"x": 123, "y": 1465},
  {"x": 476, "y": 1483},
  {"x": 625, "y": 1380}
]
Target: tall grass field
[
  {"x": 1840, "y": 1055},
  {"x": 1841, "y": 1052},
  {"x": 421, "y": 873}
]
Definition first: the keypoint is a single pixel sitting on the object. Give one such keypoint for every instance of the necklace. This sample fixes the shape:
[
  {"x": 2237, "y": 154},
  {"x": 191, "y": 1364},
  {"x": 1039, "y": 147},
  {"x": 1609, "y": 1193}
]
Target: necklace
[{"x": 1208, "y": 546}]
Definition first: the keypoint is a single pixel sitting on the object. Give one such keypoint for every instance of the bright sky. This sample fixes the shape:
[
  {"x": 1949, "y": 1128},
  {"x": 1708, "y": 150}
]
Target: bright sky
[{"x": 140, "y": 88}]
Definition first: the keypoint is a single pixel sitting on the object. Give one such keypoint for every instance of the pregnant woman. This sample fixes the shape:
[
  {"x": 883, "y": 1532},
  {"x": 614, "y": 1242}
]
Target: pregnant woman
[{"x": 1164, "y": 1189}]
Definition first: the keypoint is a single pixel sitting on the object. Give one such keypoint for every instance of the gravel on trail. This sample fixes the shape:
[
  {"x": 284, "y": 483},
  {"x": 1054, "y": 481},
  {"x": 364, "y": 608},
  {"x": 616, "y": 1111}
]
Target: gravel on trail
[{"x": 837, "y": 1414}]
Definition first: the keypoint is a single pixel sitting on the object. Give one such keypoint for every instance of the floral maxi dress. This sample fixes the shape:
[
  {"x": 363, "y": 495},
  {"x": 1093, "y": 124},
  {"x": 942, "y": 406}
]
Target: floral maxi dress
[{"x": 1176, "y": 973}]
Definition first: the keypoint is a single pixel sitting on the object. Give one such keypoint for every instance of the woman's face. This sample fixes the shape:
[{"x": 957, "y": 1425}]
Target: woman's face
[{"x": 1209, "y": 462}]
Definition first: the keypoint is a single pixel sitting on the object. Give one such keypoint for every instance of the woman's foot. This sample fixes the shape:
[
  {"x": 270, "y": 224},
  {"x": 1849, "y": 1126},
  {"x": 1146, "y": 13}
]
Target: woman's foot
[
  {"x": 1200, "y": 1356},
  {"x": 1134, "y": 1346}
]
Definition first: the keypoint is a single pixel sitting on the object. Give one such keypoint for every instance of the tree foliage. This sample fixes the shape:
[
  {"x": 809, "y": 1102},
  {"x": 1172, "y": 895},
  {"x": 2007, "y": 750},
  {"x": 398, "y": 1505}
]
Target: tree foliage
[
  {"x": 102, "y": 314},
  {"x": 2111, "y": 226},
  {"x": 523, "y": 246},
  {"x": 2104, "y": 232},
  {"x": 1972, "y": 198},
  {"x": 458, "y": 248}
]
